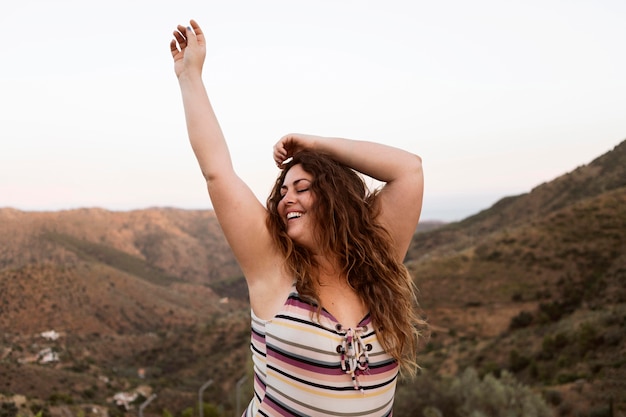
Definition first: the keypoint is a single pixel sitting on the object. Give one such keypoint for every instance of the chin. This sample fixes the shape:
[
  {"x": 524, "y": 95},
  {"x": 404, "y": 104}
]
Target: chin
[{"x": 301, "y": 242}]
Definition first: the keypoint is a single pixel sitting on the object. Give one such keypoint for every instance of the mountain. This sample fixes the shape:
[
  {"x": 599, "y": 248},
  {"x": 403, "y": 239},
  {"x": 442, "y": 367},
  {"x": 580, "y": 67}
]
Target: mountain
[
  {"x": 92, "y": 270},
  {"x": 534, "y": 285},
  {"x": 146, "y": 290}
]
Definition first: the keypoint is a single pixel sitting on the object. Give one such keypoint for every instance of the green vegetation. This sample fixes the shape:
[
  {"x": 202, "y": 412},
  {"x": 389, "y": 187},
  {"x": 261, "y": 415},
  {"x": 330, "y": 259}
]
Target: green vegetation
[
  {"x": 469, "y": 395},
  {"x": 108, "y": 255},
  {"x": 8, "y": 410}
]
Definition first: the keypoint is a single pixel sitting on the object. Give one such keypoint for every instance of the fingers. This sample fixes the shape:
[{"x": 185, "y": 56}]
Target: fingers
[
  {"x": 277, "y": 155},
  {"x": 291, "y": 144},
  {"x": 183, "y": 35},
  {"x": 197, "y": 30},
  {"x": 179, "y": 42},
  {"x": 196, "y": 27},
  {"x": 281, "y": 153},
  {"x": 174, "y": 48}
]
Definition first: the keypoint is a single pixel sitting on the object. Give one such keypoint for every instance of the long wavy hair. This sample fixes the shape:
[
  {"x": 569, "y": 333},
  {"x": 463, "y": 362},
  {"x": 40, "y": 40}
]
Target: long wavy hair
[{"x": 352, "y": 233}]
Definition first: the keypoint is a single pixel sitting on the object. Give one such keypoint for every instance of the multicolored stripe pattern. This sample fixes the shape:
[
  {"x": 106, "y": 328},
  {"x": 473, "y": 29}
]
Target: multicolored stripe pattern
[{"x": 298, "y": 367}]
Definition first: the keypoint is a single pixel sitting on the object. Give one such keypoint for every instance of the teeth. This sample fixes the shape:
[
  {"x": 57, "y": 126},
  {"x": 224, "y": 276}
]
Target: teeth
[{"x": 293, "y": 215}]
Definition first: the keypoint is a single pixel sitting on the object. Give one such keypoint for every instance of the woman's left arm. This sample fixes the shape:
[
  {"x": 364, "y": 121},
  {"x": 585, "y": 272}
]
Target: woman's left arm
[{"x": 401, "y": 171}]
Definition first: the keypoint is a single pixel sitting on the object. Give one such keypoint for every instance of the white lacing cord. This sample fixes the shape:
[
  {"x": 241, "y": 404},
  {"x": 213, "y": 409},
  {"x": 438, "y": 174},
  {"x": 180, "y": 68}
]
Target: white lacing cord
[{"x": 354, "y": 353}]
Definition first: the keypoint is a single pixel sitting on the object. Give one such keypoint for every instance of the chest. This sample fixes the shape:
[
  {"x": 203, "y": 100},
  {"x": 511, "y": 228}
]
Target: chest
[
  {"x": 304, "y": 364},
  {"x": 344, "y": 304}
]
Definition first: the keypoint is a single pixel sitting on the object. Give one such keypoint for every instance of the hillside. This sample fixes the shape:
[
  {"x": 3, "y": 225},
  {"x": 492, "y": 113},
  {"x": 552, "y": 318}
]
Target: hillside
[
  {"x": 603, "y": 174},
  {"x": 127, "y": 293},
  {"x": 186, "y": 244},
  {"x": 91, "y": 270},
  {"x": 534, "y": 285}
]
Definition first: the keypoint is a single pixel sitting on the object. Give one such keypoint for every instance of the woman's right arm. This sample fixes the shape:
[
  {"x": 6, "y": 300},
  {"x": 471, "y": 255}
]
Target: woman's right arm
[{"x": 241, "y": 215}]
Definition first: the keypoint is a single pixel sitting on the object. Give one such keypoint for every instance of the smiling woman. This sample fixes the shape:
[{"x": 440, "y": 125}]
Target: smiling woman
[{"x": 332, "y": 305}]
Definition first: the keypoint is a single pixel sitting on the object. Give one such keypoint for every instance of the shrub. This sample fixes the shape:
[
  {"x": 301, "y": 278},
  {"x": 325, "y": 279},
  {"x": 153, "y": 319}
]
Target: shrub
[
  {"x": 551, "y": 312},
  {"x": 588, "y": 338},
  {"x": 469, "y": 395},
  {"x": 58, "y": 398},
  {"x": 552, "y": 345},
  {"x": 601, "y": 411},
  {"x": 39, "y": 411},
  {"x": 430, "y": 411},
  {"x": 490, "y": 368},
  {"x": 8, "y": 410},
  {"x": 523, "y": 319},
  {"x": 89, "y": 393},
  {"x": 566, "y": 378},
  {"x": 554, "y": 397},
  {"x": 517, "y": 362},
  {"x": 495, "y": 397},
  {"x": 209, "y": 410}
]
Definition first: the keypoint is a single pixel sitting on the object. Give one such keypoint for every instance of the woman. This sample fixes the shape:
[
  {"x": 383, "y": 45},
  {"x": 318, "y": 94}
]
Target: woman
[{"x": 332, "y": 304}]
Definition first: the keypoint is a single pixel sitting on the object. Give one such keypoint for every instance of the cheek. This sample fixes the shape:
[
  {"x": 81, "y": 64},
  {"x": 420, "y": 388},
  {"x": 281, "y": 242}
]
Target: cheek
[
  {"x": 280, "y": 207},
  {"x": 310, "y": 200}
]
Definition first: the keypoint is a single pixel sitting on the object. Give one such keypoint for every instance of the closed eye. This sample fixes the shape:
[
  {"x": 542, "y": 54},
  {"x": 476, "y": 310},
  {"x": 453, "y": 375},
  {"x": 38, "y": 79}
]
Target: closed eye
[
  {"x": 283, "y": 194},
  {"x": 302, "y": 182}
]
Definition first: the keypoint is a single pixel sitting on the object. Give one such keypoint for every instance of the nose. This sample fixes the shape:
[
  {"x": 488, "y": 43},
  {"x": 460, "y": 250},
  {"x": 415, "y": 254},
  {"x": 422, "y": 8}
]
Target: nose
[{"x": 289, "y": 197}]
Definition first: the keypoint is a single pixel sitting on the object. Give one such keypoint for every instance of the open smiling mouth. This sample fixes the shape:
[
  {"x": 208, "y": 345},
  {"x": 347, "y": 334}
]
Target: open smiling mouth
[{"x": 293, "y": 215}]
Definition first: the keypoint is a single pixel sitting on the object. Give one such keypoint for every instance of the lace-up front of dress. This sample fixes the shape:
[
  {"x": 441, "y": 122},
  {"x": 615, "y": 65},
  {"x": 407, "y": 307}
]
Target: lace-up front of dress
[
  {"x": 353, "y": 351},
  {"x": 310, "y": 366}
]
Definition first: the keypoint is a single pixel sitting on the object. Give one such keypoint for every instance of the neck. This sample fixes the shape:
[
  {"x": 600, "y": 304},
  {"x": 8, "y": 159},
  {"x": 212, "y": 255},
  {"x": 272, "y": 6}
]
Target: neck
[
  {"x": 327, "y": 265},
  {"x": 329, "y": 273}
]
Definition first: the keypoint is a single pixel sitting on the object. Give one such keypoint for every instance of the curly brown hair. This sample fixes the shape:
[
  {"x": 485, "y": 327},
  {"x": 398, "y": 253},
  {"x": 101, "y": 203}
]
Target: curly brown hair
[{"x": 351, "y": 232}]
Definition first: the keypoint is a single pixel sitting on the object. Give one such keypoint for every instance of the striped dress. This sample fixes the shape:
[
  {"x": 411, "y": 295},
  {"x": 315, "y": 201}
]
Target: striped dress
[{"x": 306, "y": 367}]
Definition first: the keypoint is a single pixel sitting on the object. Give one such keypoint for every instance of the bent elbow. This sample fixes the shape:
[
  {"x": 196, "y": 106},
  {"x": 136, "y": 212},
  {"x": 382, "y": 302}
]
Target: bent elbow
[
  {"x": 415, "y": 165},
  {"x": 209, "y": 176}
]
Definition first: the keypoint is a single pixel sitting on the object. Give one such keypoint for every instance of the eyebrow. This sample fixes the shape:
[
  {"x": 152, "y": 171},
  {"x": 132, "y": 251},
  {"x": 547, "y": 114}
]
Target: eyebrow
[{"x": 295, "y": 183}]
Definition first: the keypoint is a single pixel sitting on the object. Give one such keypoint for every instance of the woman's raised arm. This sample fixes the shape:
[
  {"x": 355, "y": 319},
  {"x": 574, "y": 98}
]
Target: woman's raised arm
[{"x": 241, "y": 215}]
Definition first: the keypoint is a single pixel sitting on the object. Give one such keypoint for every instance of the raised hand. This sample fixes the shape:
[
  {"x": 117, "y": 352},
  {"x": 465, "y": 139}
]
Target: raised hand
[
  {"x": 188, "y": 49},
  {"x": 291, "y": 144}
]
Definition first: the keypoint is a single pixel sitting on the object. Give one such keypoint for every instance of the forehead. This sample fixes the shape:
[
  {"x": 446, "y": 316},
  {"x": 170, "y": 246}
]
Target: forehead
[{"x": 295, "y": 174}]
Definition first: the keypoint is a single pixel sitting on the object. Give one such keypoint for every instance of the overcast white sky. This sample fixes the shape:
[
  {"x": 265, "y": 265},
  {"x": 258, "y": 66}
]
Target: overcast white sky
[{"x": 496, "y": 96}]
